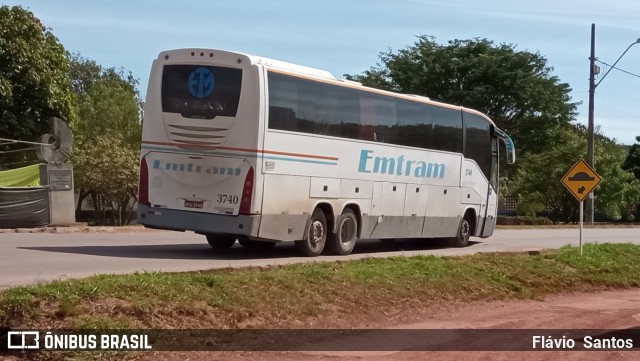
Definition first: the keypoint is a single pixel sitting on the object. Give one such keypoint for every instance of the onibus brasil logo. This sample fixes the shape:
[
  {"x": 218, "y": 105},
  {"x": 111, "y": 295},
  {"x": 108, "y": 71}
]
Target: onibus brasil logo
[
  {"x": 33, "y": 340},
  {"x": 201, "y": 82}
]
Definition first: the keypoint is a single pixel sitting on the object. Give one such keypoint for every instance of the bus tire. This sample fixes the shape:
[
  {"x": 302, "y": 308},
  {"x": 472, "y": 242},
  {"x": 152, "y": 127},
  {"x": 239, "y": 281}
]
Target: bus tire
[
  {"x": 248, "y": 243},
  {"x": 316, "y": 235},
  {"x": 464, "y": 232},
  {"x": 220, "y": 242},
  {"x": 343, "y": 241}
]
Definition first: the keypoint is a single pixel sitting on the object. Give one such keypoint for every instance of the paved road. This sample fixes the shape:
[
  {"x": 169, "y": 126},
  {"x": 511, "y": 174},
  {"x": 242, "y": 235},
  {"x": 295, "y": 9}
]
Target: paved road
[{"x": 27, "y": 258}]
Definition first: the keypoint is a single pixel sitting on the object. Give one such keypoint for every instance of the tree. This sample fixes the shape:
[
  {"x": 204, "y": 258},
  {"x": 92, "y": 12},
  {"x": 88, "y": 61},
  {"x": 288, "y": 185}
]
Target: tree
[
  {"x": 537, "y": 181},
  {"x": 632, "y": 162},
  {"x": 539, "y": 187},
  {"x": 514, "y": 88},
  {"x": 619, "y": 190},
  {"x": 107, "y": 138},
  {"x": 107, "y": 169},
  {"x": 34, "y": 76},
  {"x": 83, "y": 72},
  {"x": 109, "y": 107}
]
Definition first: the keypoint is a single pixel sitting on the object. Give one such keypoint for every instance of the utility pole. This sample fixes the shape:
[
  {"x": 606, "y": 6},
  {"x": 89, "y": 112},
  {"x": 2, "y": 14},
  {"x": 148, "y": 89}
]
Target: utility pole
[
  {"x": 593, "y": 70},
  {"x": 590, "y": 131}
]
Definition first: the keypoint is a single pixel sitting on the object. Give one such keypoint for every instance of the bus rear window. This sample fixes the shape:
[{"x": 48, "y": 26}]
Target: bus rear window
[{"x": 198, "y": 91}]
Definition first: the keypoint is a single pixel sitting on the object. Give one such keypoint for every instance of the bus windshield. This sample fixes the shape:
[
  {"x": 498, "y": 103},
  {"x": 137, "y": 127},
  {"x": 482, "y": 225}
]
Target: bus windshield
[{"x": 197, "y": 91}]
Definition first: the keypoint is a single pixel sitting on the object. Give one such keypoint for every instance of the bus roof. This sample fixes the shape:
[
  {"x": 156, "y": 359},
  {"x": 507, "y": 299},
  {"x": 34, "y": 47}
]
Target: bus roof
[{"x": 320, "y": 75}]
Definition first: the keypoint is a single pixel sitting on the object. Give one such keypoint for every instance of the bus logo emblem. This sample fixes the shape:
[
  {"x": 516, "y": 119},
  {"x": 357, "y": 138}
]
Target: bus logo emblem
[{"x": 201, "y": 83}]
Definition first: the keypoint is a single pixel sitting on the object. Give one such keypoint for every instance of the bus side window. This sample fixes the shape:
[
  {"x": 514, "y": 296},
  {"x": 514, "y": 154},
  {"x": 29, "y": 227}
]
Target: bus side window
[
  {"x": 415, "y": 126},
  {"x": 447, "y": 129},
  {"x": 381, "y": 115},
  {"x": 366, "y": 132},
  {"x": 282, "y": 118},
  {"x": 367, "y": 119}
]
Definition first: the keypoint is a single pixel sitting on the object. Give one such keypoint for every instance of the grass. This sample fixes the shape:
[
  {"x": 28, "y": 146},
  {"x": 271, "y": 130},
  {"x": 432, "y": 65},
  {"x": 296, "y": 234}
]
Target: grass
[
  {"x": 313, "y": 295},
  {"x": 316, "y": 295},
  {"x": 569, "y": 226}
]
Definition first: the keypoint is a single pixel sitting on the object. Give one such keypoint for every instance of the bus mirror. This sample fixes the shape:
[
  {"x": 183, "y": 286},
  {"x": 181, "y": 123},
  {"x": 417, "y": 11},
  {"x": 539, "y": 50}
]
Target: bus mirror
[
  {"x": 508, "y": 143},
  {"x": 511, "y": 152}
]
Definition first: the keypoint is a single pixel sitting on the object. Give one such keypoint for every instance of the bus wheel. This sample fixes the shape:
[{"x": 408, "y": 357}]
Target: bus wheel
[
  {"x": 464, "y": 233},
  {"x": 343, "y": 241},
  {"x": 316, "y": 237},
  {"x": 247, "y": 243},
  {"x": 220, "y": 242}
]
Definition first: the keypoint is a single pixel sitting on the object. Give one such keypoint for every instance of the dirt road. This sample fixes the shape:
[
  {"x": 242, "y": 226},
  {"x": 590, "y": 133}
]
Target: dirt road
[{"x": 618, "y": 309}]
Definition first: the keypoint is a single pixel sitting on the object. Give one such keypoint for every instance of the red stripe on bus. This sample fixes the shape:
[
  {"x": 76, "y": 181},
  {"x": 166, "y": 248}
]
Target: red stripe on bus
[{"x": 196, "y": 146}]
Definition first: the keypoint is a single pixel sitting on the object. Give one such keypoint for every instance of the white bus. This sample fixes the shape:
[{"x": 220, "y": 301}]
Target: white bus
[{"x": 240, "y": 147}]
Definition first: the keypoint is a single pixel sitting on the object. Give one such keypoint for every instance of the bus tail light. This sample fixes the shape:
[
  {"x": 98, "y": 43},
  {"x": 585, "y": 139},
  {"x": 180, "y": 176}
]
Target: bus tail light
[
  {"x": 247, "y": 193},
  {"x": 143, "y": 185}
]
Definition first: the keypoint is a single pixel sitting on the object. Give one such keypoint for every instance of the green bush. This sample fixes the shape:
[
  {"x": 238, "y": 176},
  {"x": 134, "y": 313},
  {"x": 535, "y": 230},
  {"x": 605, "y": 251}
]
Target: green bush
[{"x": 523, "y": 221}]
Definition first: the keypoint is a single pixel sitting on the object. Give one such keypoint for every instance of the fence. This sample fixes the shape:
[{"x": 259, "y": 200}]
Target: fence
[{"x": 24, "y": 207}]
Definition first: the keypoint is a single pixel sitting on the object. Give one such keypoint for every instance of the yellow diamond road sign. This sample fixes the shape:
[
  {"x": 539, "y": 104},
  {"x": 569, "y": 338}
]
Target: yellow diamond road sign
[{"x": 581, "y": 180}]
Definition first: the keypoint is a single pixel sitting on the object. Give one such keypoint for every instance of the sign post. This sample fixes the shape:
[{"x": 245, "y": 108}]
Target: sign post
[
  {"x": 580, "y": 181},
  {"x": 581, "y": 203}
]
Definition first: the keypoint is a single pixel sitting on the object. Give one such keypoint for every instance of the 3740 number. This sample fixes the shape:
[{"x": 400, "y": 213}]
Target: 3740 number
[{"x": 228, "y": 198}]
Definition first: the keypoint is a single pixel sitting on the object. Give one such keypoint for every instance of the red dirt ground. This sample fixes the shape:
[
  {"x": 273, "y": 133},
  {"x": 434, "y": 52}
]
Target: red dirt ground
[{"x": 618, "y": 309}]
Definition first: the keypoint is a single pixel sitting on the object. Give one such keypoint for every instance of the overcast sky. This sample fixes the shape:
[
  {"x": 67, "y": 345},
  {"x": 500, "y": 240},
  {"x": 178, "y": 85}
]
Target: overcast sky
[{"x": 345, "y": 36}]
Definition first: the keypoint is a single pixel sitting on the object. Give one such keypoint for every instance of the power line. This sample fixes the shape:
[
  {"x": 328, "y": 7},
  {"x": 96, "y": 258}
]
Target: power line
[
  {"x": 608, "y": 95},
  {"x": 616, "y": 68},
  {"x": 617, "y": 96}
]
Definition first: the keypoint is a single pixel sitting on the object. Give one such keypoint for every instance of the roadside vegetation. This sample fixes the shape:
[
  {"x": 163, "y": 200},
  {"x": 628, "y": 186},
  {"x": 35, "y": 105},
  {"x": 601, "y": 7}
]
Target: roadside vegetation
[
  {"x": 518, "y": 222},
  {"x": 357, "y": 293},
  {"x": 367, "y": 293}
]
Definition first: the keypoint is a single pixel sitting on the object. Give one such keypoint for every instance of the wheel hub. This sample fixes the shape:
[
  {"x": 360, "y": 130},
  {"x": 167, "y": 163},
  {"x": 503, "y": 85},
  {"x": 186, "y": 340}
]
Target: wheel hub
[
  {"x": 465, "y": 229},
  {"x": 317, "y": 233}
]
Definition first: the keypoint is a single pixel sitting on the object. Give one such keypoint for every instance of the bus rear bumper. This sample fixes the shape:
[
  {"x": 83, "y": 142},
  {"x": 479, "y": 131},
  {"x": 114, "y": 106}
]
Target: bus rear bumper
[{"x": 205, "y": 223}]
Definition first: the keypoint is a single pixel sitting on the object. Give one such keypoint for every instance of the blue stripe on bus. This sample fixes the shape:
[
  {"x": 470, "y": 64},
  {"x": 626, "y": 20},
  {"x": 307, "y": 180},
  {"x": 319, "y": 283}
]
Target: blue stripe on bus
[{"x": 251, "y": 155}]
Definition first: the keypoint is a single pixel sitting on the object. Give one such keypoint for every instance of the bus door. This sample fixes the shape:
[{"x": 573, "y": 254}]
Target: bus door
[{"x": 492, "y": 193}]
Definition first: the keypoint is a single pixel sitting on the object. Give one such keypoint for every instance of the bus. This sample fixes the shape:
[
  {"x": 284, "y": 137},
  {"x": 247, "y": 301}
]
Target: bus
[{"x": 242, "y": 148}]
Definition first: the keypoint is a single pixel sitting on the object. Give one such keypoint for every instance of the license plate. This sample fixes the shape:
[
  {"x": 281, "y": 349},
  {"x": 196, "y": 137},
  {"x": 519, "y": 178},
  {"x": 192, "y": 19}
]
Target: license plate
[{"x": 194, "y": 204}]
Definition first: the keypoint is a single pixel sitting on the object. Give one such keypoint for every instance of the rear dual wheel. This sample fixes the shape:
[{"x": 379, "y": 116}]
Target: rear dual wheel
[
  {"x": 316, "y": 235},
  {"x": 220, "y": 242},
  {"x": 343, "y": 241},
  {"x": 247, "y": 243}
]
